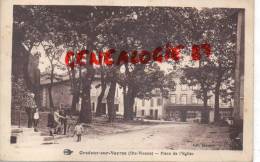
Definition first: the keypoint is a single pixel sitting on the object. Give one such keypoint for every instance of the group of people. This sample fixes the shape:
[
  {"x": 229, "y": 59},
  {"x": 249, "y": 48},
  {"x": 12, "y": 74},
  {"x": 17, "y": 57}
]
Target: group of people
[{"x": 58, "y": 121}]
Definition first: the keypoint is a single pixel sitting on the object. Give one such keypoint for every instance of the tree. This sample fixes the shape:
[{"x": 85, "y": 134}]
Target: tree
[
  {"x": 140, "y": 82},
  {"x": 221, "y": 38},
  {"x": 76, "y": 34},
  {"x": 103, "y": 85},
  {"x": 26, "y": 36},
  {"x": 133, "y": 29},
  {"x": 53, "y": 54},
  {"x": 85, "y": 112},
  {"x": 75, "y": 41},
  {"x": 201, "y": 76},
  {"x": 113, "y": 37}
]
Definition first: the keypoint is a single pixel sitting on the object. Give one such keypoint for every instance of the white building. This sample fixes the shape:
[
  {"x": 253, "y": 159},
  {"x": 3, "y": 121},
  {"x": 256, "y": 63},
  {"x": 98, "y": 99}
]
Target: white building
[
  {"x": 182, "y": 100},
  {"x": 62, "y": 96},
  {"x": 181, "y": 104}
]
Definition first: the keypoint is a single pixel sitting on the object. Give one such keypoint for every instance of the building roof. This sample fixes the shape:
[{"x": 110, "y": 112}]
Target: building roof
[{"x": 45, "y": 78}]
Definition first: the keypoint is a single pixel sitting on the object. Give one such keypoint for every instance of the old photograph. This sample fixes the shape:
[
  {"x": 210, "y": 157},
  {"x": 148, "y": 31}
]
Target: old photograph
[{"x": 138, "y": 78}]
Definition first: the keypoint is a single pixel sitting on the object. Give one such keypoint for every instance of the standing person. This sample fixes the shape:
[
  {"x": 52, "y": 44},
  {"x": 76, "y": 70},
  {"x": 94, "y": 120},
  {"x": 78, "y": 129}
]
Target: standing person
[
  {"x": 70, "y": 123},
  {"x": 65, "y": 120},
  {"x": 78, "y": 131},
  {"x": 30, "y": 105},
  {"x": 36, "y": 117},
  {"x": 57, "y": 121},
  {"x": 51, "y": 123},
  {"x": 29, "y": 115}
]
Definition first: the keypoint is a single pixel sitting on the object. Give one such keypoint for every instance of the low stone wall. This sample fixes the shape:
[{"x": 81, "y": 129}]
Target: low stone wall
[{"x": 17, "y": 115}]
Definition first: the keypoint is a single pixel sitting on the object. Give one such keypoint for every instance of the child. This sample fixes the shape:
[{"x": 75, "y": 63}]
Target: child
[
  {"x": 57, "y": 121},
  {"x": 78, "y": 131},
  {"x": 36, "y": 119}
]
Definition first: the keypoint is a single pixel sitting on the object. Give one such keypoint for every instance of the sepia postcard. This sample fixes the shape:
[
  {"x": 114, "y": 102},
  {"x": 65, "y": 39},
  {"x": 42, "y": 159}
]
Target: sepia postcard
[{"x": 110, "y": 80}]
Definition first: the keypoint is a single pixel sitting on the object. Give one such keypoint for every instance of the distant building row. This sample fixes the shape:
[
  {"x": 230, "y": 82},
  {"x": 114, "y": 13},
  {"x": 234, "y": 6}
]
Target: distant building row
[{"x": 181, "y": 104}]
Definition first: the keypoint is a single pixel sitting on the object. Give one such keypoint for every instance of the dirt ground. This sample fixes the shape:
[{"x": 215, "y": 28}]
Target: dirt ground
[
  {"x": 151, "y": 136},
  {"x": 144, "y": 135}
]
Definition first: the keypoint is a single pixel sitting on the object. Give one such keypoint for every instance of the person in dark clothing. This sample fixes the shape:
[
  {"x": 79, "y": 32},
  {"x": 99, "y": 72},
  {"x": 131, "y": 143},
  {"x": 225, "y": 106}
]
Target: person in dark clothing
[
  {"x": 36, "y": 117},
  {"x": 64, "y": 122},
  {"x": 51, "y": 123},
  {"x": 29, "y": 105},
  {"x": 29, "y": 113}
]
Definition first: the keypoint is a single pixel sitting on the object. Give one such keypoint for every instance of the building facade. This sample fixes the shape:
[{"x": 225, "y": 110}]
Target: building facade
[
  {"x": 182, "y": 103},
  {"x": 62, "y": 96}
]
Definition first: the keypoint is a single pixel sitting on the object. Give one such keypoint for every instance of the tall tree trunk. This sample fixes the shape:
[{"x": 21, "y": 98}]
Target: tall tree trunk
[
  {"x": 75, "y": 95},
  {"x": 28, "y": 83},
  {"x": 205, "y": 95},
  {"x": 205, "y": 113},
  {"x": 101, "y": 95},
  {"x": 111, "y": 100},
  {"x": 50, "y": 90},
  {"x": 50, "y": 98},
  {"x": 85, "y": 112},
  {"x": 129, "y": 106},
  {"x": 217, "y": 89},
  {"x": 25, "y": 70},
  {"x": 125, "y": 102},
  {"x": 75, "y": 85},
  {"x": 75, "y": 100},
  {"x": 127, "y": 91}
]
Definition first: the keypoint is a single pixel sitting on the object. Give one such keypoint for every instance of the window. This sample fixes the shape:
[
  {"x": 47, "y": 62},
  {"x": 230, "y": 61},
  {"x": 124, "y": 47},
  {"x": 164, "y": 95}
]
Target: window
[
  {"x": 117, "y": 107},
  {"x": 152, "y": 102},
  {"x": 156, "y": 113},
  {"x": 183, "y": 87},
  {"x": 142, "y": 112},
  {"x": 151, "y": 112},
  {"x": 184, "y": 99},
  {"x": 143, "y": 102},
  {"x": 159, "y": 102},
  {"x": 173, "y": 98},
  {"x": 194, "y": 99},
  {"x": 44, "y": 96},
  {"x": 93, "y": 106}
]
